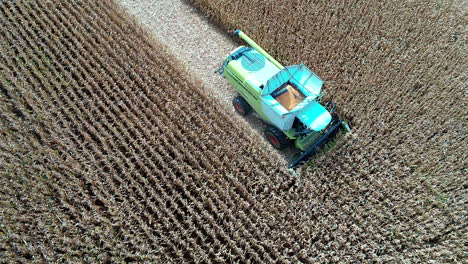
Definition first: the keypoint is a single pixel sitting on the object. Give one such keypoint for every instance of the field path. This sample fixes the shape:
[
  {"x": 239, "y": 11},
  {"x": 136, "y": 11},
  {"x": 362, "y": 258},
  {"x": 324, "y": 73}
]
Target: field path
[{"x": 196, "y": 43}]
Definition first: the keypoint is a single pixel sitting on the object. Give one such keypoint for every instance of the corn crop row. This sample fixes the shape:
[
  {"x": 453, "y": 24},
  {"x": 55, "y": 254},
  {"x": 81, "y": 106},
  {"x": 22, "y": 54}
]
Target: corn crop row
[{"x": 140, "y": 165}]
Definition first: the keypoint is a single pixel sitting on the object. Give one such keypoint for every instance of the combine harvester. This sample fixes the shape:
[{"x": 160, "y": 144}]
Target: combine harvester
[{"x": 287, "y": 98}]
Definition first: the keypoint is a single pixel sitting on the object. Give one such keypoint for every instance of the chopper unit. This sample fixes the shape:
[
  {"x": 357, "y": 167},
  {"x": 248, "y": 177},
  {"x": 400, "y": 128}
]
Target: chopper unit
[{"x": 286, "y": 98}]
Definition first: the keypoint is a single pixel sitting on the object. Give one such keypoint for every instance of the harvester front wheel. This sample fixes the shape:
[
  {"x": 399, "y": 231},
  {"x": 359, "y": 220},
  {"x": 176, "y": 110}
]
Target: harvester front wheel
[
  {"x": 241, "y": 106},
  {"x": 276, "y": 138}
]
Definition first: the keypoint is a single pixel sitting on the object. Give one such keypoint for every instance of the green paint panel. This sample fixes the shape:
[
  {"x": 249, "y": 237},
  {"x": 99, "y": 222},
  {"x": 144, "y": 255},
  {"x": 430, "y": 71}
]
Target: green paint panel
[
  {"x": 236, "y": 75},
  {"x": 305, "y": 142}
]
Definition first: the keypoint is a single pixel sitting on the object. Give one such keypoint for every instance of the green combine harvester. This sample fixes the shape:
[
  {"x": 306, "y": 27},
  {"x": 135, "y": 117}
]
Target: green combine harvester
[{"x": 286, "y": 98}]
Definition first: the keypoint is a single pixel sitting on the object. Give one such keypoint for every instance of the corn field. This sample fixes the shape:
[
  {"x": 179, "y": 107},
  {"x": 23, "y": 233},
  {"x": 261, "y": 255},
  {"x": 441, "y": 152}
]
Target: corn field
[
  {"x": 111, "y": 152},
  {"x": 397, "y": 71}
]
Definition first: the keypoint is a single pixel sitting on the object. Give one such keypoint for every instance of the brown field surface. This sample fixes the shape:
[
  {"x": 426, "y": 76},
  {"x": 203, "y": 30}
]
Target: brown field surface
[
  {"x": 397, "y": 70},
  {"x": 110, "y": 152}
]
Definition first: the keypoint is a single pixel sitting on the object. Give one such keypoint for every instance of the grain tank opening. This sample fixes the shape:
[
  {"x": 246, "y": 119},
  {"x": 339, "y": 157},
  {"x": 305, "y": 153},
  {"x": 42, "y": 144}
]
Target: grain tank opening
[{"x": 288, "y": 96}]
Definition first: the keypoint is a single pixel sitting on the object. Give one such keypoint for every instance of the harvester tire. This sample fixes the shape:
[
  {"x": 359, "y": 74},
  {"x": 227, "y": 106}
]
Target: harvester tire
[
  {"x": 241, "y": 106},
  {"x": 276, "y": 138}
]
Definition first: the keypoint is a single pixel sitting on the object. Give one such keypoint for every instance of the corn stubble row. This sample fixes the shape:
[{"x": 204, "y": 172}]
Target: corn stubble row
[{"x": 396, "y": 189}]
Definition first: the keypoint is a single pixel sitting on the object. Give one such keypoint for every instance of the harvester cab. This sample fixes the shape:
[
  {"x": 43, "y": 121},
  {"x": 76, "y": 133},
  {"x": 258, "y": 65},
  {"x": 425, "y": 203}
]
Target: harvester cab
[{"x": 286, "y": 98}]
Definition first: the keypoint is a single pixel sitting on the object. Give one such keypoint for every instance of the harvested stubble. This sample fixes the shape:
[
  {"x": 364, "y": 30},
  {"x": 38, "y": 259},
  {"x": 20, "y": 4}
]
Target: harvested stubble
[{"x": 396, "y": 189}]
